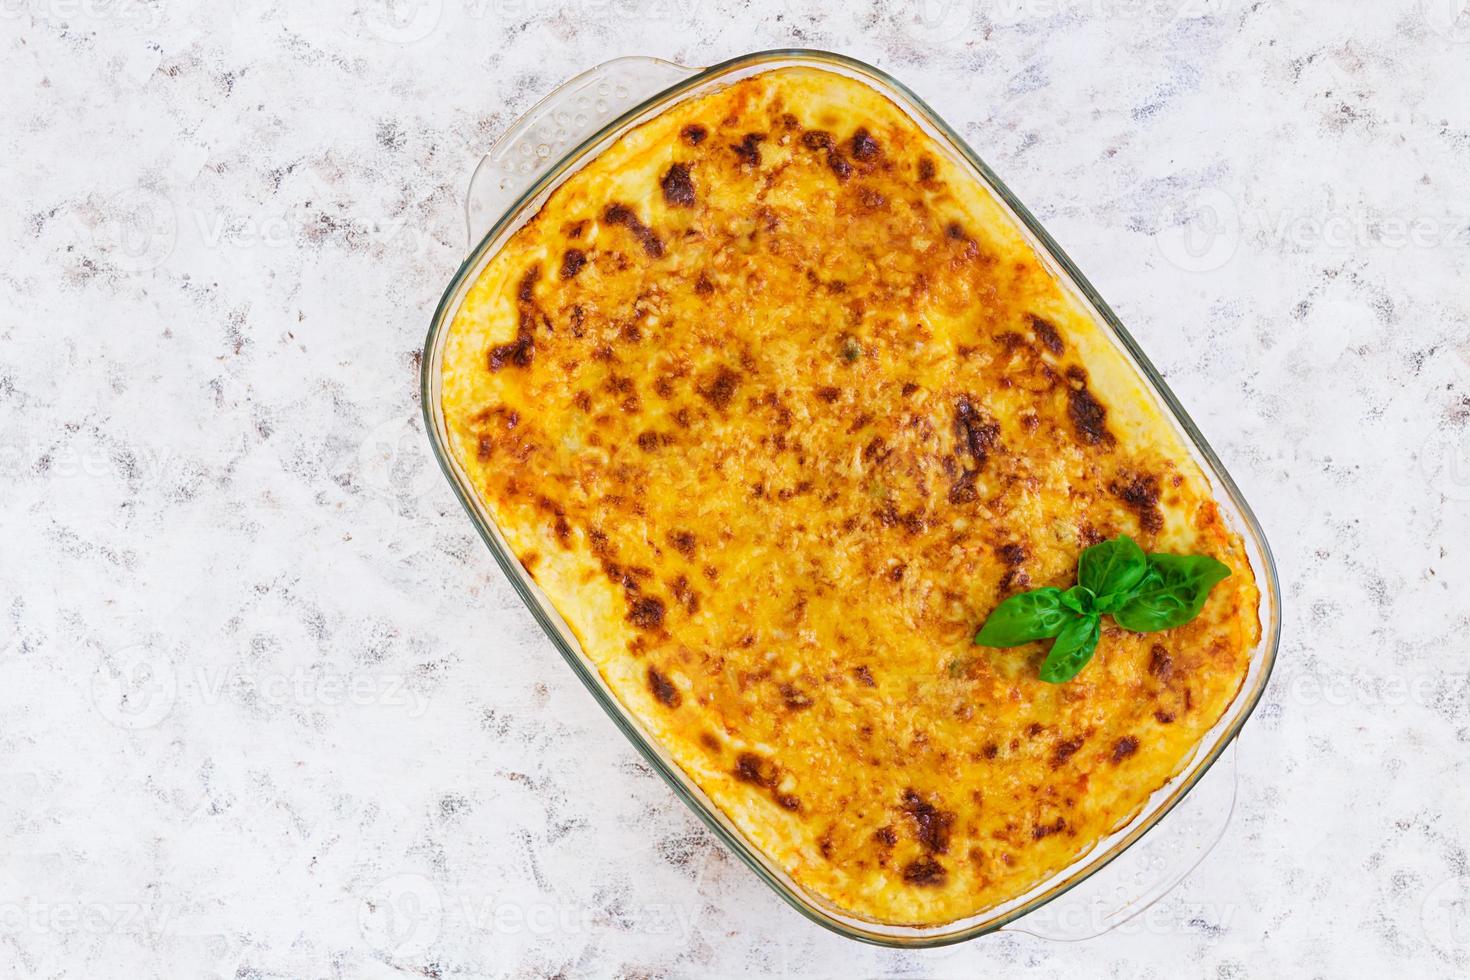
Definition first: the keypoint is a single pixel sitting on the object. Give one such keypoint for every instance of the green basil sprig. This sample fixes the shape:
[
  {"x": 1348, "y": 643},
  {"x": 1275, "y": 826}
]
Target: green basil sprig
[{"x": 1143, "y": 593}]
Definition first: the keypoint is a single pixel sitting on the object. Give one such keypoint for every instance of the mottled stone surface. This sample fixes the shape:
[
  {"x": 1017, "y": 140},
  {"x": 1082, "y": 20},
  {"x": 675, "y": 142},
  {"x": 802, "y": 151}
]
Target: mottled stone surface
[{"x": 267, "y": 707}]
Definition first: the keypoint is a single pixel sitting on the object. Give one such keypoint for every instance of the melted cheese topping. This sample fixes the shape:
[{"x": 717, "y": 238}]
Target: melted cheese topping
[{"x": 776, "y": 402}]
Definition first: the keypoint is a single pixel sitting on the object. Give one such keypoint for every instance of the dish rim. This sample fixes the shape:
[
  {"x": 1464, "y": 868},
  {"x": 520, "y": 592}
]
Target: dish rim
[{"x": 1122, "y": 838}]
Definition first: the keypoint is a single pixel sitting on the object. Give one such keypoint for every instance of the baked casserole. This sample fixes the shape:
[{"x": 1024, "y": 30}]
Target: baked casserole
[{"x": 775, "y": 403}]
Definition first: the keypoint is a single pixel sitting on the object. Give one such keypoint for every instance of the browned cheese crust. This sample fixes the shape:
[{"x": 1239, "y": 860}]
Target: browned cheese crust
[{"x": 776, "y": 402}]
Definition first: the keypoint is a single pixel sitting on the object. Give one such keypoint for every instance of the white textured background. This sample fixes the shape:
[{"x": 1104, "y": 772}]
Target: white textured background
[{"x": 267, "y": 708}]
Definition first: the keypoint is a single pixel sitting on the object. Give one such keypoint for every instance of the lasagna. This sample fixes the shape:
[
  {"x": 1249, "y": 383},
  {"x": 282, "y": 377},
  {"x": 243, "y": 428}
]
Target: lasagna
[{"x": 775, "y": 402}]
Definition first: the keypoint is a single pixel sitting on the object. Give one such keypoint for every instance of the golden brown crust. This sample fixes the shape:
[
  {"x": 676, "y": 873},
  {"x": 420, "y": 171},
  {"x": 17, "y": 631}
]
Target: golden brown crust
[{"x": 783, "y": 403}]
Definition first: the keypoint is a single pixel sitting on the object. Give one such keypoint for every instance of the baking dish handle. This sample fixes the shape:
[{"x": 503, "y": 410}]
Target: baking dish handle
[
  {"x": 1148, "y": 870},
  {"x": 555, "y": 125}
]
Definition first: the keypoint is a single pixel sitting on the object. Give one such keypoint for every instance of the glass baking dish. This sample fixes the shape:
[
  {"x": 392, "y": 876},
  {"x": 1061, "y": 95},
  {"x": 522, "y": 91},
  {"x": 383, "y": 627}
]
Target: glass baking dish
[{"x": 1125, "y": 872}]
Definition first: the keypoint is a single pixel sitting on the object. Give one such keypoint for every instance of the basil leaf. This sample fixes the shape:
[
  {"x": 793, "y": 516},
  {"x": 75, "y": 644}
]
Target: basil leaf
[
  {"x": 1112, "y": 569},
  {"x": 1172, "y": 593},
  {"x": 1143, "y": 593},
  {"x": 1072, "y": 650},
  {"x": 1079, "y": 599},
  {"x": 1034, "y": 615}
]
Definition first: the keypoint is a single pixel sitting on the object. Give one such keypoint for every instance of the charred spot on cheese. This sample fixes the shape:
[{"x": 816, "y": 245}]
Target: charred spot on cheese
[
  {"x": 927, "y": 170},
  {"x": 864, "y": 675},
  {"x": 1044, "y": 830},
  {"x": 518, "y": 353},
  {"x": 820, "y": 141},
  {"x": 748, "y": 150},
  {"x": 1164, "y": 717},
  {"x": 572, "y": 261},
  {"x": 1046, "y": 333},
  {"x": 677, "y": 186},
  {"x": 720, "y": 388},
  {"x": 1012, "y": 553},
  {"x": 621, "y": 214},
  {"x": 977, "y": 434},
  {"x": 1065, "y": 750},
  {"x": 685, "y": 595},
  {"x": 955, "y": 232},
  {"x": 646, "y": 612},
  {"x": 962, "y": 487},
  {"x": 925, "y": 872},
  {"x": 1140, "y": 493},
  {"x": 1160, "y": 664},
  {"x": 876, "y": 451},
  {"x": 932, "y": 825},
  {"x": 871, "y": 200},
  {"x": 794, "y": 698},
  {"x": 1010, "y": 342},
  {"x": 663, "y": 689},
  {"x": 1123, "y": 748},
  {"x": 757, "y": 770},
  {"x": 631, "y": 579},
  {"x": 864, "y": 147},
  {"x": 525, "y": 292},
  {"x": 1014, "y": 580},
  {"x": 1089, "y": 418},
  {"x": 561, "y": 527},
  {"x": 816, "y": 139},
  {"x": 913, "y": 522},
  {"x": 694, "y": 134}
]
